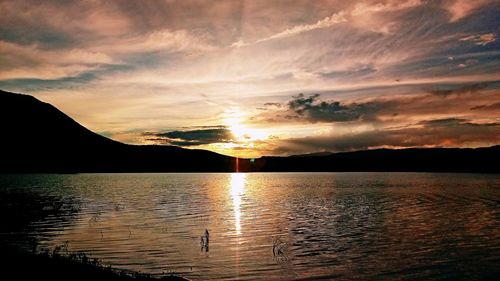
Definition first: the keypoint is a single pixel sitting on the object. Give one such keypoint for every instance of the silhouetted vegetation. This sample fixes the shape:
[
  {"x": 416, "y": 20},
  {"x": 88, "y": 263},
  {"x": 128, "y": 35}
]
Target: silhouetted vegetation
[{"x": 59, "y": 264}]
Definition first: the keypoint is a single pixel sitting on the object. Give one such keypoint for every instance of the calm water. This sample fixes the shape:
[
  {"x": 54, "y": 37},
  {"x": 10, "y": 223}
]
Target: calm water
[{"x": 396, "y": 226}]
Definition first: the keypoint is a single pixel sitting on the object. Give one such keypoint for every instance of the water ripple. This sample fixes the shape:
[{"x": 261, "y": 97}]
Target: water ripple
[{"x": 345, "y": 226}]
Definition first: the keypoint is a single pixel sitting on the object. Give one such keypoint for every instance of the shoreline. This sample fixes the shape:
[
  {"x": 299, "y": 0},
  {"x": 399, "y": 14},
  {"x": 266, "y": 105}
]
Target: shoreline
[{"x": 21, "y": 265}]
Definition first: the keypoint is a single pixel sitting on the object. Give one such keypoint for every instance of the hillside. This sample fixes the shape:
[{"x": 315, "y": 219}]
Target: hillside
[{"x": 37, "y": 137}]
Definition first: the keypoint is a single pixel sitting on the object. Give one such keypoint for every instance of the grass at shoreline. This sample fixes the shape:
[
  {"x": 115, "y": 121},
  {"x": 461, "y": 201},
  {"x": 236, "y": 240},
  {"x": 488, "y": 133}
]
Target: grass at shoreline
[
  {"x": 17, "y": 211},
  {"x": 19, "y": 265}
]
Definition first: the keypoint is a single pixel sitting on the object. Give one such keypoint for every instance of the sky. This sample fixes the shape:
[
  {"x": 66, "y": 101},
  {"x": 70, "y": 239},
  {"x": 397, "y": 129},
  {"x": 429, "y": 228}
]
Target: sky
[{"x": 261, "y": 77}]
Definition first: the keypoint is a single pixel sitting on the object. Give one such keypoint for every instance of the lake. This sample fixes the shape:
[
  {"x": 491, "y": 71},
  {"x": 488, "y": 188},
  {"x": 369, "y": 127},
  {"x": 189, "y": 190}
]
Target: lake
[{"x": 265, "y": 226}]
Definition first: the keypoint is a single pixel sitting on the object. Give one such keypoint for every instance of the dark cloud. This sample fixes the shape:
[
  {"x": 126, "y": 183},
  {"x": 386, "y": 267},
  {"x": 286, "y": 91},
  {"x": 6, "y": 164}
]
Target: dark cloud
[
  {"x": 270, "y": 105},
  {"x": 487, "y": 107},
  {"x": 275, "y": 104},
  {"x": 448, "y": 122},
  {"x": 32, "y": 84},
  {"x": 461, "y": 90},
  {"x": 314, "y": 110},
  {"x": 450, "y": 132},
  {"x": 48, "y": 38},
  {"x": 402, "y": 108},
  {"x": 72, "y": 82},
  {"x": 198, "y": 136}
]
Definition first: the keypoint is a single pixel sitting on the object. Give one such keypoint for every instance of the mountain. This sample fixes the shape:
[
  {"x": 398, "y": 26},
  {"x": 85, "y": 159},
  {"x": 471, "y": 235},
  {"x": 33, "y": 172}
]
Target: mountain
[
  {"x": 37, "y": 137},
  {"x": 484, "y": 160}
]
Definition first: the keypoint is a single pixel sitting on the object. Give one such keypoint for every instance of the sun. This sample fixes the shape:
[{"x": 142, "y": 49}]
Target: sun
[{"x": 234, "y": 119}]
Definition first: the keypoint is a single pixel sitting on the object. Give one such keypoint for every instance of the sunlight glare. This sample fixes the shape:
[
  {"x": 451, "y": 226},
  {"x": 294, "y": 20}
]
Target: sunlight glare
[
  {"x": 234, "y": 119},
  {"x": 237, "y": 186}
]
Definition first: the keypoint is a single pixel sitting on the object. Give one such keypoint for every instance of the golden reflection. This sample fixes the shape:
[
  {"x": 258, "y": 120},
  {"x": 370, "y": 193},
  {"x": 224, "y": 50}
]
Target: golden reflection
[{"x": 237, "y": 189}]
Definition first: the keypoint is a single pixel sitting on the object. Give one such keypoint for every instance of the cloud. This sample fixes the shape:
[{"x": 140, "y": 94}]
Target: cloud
[
  {"x": 447, "y": 122},
  {"x": 238, "y": 44},
  {"x": 28, "y": 84},
  {"x": 159, "y": 40},
  {"x": 459, "y": 9},
  {"x": 314, "y": 110},
  {"x": 78, "y": 19},
  {"x": 364, "y": 8},
  {"x": 193, "y": 137},
  {"x": 324, "y": 23},
  {"x": 461, "y": 90},
  {"x": 31, "y": 61},
  {"x": 468, "y": 63},
  {"x": 38, "y": 41},
  {"x": 174, "y": 31},
  {"x": 442, "y": 100},
  {"x": 487, "y": 107},
  {"x": 480, "y": 39},
  {"x": 450, "y": 132},
  {"x": 355, "y": 72},
  {"x": 380, "y": 16},
  {"x": 275, "y": 104}
]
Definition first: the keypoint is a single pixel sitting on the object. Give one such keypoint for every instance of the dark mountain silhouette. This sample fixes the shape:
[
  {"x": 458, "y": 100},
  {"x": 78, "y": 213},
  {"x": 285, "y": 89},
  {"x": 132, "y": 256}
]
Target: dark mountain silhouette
[
  {"x": 484, "y": 160},
  {"x": 37, "y": 137}
]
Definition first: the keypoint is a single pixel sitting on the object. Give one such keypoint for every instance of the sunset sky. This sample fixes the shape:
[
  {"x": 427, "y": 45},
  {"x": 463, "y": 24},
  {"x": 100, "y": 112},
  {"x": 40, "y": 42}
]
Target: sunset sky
[{"x": 252, "y": 78}]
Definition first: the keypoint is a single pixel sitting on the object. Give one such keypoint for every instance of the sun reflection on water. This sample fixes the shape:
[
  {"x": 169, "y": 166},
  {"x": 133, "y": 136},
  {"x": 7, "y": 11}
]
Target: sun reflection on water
[{"x": 237, "y": 189}]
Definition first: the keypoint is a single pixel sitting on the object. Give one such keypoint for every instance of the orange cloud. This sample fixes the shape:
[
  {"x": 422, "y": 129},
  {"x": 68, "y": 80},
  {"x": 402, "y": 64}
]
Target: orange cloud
[
  {"x": 461, "y": 8},
  {"x": 480, "y": 39},
  {"x": 31, "y": 61}
]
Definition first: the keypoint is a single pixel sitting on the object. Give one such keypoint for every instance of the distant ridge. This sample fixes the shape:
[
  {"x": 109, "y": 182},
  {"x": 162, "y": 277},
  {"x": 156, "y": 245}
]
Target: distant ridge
[
  {"x": 37, "y": 137},
  {"x": 484, "y": 160}
]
